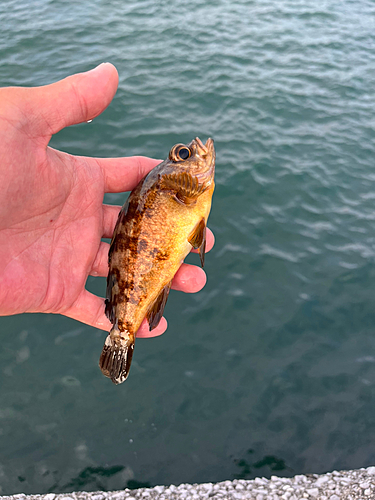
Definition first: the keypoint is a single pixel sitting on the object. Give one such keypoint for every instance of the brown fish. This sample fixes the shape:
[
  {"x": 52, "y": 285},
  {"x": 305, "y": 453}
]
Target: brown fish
[{"x": 164, "y": 217}]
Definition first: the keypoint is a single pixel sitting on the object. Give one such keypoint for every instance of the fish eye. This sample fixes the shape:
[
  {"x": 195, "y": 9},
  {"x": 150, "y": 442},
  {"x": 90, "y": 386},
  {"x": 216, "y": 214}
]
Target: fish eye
[
  {"x": 180, "y": 152},
  {"x": 183, "y": 153}
]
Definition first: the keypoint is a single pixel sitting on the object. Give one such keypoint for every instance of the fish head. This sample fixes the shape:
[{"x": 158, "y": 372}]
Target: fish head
[{"x": 196, "y": 158}]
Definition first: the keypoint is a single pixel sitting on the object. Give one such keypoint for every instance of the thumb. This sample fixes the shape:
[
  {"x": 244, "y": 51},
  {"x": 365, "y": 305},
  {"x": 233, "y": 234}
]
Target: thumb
[{"x": 75, "y": 99}]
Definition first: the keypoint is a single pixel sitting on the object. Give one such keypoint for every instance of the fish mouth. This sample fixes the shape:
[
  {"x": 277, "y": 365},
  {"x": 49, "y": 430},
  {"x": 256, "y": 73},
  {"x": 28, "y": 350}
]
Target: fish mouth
[
  {"x": 204, "y": 149},
  {"x": 206, "y": 158}
]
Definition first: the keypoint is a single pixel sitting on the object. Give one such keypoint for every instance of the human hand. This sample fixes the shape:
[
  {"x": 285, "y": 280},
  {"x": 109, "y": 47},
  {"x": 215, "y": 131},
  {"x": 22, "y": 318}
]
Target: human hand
[{"x": 52, "y": 215}]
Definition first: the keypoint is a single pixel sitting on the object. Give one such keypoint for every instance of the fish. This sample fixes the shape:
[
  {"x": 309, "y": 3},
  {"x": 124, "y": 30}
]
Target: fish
[{"x": 163, "y": 219}]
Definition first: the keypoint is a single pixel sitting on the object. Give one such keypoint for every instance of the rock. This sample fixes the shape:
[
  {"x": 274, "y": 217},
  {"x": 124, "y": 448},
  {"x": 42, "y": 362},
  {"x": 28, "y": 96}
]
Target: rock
[
  {"x": 321, "y": 480},
  {"x": 364, "y": 485},
  {"x": 314, "y": 492}
]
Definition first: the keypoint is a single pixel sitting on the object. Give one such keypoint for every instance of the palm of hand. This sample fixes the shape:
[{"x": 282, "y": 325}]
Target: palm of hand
[{"x": 54, "y": 225}]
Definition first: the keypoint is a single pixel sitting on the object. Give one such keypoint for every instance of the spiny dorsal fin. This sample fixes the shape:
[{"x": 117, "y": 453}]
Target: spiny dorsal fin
[
  {"x": 112, "y": 295},
  {"x": 110, "y": 309},
  {"x": 118, "y": 228},
  {"x": 156, "y": 309},
  {"x": 198, "y": 239},
  {"x": 185, "y": 185}
]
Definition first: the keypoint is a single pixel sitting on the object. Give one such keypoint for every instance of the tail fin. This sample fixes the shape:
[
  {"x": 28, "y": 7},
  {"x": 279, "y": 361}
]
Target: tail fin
[{"x": 116, "y": 358}]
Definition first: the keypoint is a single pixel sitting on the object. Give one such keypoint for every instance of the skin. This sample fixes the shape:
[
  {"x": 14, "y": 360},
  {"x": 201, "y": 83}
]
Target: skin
[{"x": 52, "y": 215}]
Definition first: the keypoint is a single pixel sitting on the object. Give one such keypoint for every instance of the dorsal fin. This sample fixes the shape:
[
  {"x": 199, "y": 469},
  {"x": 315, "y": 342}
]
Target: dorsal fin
[
  {"x": 118, "y": 227},
  {"x": 112, "y": 278},
  {"x": 185, "y": 185}
]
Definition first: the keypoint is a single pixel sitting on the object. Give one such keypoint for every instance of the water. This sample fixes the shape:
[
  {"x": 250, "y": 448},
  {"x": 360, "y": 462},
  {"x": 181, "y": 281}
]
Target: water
[{"x": 271, "y": 368}]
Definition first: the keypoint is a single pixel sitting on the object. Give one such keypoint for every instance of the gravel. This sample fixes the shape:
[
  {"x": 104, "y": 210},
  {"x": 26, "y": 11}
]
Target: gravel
[{"x": 343, "y": 485}]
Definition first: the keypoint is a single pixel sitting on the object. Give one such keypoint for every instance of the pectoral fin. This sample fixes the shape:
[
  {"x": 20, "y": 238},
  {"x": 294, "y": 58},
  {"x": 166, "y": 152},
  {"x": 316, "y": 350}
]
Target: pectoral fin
[
  {"x": 198, "y": 239},
  {"x": 185, "y": 185},
  {"x": 156, "y": 309}
]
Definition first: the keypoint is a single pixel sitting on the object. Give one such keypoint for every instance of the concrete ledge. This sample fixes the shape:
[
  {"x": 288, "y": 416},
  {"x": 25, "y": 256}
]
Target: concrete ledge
[{"x": 343, "y": 485}]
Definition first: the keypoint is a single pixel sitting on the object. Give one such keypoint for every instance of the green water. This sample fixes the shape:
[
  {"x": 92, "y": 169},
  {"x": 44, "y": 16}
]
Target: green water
[{"x": 271, "y": 368}]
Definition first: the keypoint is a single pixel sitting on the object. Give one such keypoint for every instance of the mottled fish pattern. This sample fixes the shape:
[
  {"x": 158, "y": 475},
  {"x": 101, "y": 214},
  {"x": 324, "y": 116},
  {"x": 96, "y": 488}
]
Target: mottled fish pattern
[{"x": 164, "y": 217}]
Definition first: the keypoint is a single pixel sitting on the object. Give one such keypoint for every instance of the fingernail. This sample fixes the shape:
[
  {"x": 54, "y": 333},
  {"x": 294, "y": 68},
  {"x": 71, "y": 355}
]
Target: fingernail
[{"x": 99, "y": 66}]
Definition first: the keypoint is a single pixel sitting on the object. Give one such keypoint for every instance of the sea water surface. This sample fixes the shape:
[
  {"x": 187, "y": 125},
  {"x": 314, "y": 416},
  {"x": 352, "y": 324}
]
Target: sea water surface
[{"x": 270, "y": 369}]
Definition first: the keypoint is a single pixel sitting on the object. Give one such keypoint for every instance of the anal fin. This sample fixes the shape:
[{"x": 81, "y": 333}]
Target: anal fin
[
  {"x": 198, "y": 239},
  {"x": 156, "y": 309}
]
